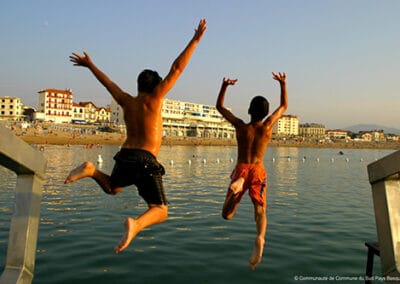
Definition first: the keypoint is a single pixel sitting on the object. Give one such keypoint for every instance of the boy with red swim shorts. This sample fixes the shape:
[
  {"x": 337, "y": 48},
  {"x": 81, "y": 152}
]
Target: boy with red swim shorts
[{"x": 249, "y": 173}]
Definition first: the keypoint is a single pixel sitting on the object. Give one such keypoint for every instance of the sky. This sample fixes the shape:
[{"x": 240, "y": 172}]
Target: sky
[{"x": 341, "y": 57}]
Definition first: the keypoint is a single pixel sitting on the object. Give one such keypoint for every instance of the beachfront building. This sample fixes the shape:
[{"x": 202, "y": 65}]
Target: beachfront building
[
  {"x": 78, "y": 113},
  {"x": 312, "y": 130},
  {"x": 103, "y": 115},
  {"x": 88, "y": 112},
  {"x": 337, "y": 134},
  {"x": 186, "y": 119},
  {"x": 11, "y": 109},
  {"x": 55, "y": 105},
  {"x": 372, "y": 136},
  {"x": 287, "y": 125}
]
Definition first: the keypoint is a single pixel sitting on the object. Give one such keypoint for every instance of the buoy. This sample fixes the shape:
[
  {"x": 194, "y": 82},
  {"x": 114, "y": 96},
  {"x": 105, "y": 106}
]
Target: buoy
[
  {"x": 204, "y": 161},
  {"x": 217, "y": 160},
  {"x": 189, "y": 162},
  {"x": 332, "y": 160},
  {"x": 361, "y": 160},
  {"x": 347, "y": 160},
  {"x": 99, "y": 159},
  {"x": 288, "y": 159},
  {"x": 273, "y": 160},
  {"x": 231, "y": 160},
  {"x": 317, "y": 160},
  {"x": 171, "y": 162}
]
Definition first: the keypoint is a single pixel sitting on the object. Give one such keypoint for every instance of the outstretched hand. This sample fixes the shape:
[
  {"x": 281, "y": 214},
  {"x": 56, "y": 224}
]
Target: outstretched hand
[
  {"x": 227, "y": 81},
  {"x": 201, "y": 28},
  {"x": 80, "y": 60},
  {"x": 281, "y": 77}
]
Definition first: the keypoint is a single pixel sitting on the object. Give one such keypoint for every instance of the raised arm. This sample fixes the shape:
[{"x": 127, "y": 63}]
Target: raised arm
[
  {"x": 181, "y": 61},
  {"x": 229, "y": 116},
  {"x": 113, "y": 89},
  {"x": 281, "y": 78}
]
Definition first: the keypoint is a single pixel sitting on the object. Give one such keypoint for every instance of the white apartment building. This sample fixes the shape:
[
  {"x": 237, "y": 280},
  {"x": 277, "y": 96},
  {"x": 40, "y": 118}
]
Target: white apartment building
[
  {"x": 11, "y": 108},
  {"x": 183, "y": 119},
  {"x": 88, "y": 112},
  {"x": 78, "y": 113},
  {"x": 55, "y": 105},
  {"x": 335, "y": 134},
  {"x": 287, "y": 125}
]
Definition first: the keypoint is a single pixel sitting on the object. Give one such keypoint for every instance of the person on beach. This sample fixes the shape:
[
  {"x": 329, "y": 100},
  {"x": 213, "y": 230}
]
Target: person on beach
[
  {"x": 136, "y": 163},
  {"x": 249, "y": 173}
]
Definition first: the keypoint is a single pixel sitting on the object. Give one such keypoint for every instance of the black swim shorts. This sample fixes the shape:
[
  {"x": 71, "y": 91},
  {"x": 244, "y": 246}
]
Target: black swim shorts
[{"x": 141, "y": 168}]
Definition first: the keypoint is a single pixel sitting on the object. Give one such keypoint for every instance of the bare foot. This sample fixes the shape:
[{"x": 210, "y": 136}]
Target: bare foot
[
  {"x": 85, "y": 170},
  {"x": 131, "y": 232},
  {"x": 256, "y": 257},
  {"x": 237, "y": 186}
]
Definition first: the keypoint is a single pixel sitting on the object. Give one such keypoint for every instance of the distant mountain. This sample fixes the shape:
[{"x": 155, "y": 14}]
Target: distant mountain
[{"x": 369, "y": 127}]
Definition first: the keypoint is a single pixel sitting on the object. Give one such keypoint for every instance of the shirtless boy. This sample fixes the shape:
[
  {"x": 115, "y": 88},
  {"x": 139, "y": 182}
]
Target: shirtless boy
[
  {"x": 136, "y": 162},
  {"x": 249, "y": 173}
]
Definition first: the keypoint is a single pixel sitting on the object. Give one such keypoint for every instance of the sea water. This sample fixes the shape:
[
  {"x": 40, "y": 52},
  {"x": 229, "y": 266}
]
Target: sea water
[{"x": 320, "y": 214}]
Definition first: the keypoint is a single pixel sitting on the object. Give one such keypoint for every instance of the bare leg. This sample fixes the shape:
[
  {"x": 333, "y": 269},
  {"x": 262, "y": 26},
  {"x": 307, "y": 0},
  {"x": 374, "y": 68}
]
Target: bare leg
[
  {"x": 155, "y": 214},
  {"x": 87, "y": 169},
  {"x": 261, "y": 223},
  {"x": 235, "y": 191}
]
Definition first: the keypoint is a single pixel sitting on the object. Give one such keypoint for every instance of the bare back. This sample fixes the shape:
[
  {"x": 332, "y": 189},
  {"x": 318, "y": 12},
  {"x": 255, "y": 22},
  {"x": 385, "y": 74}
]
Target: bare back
[
  {"x": 252, "y": 139},
  {"x": 142, "y": 115}
]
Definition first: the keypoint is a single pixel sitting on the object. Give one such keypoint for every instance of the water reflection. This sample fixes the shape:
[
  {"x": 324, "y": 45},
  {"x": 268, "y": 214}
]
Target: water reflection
[{"x": 286, "y": 166}]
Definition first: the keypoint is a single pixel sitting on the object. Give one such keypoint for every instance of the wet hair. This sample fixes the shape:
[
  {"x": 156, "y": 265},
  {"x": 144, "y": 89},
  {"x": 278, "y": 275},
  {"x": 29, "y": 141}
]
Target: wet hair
[
  {"x": 148, "y": 80},
  {"x": 259, "y": 108}
]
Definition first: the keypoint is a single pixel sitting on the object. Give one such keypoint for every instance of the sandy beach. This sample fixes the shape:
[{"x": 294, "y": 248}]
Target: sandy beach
[{"x": 68, "y": 137}]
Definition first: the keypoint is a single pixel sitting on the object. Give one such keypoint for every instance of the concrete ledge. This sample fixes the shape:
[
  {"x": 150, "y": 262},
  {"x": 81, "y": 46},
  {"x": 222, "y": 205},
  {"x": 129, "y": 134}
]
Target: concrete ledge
[
  {"x": 384, "y": 168},
  {"x": 20, "y": 157}
]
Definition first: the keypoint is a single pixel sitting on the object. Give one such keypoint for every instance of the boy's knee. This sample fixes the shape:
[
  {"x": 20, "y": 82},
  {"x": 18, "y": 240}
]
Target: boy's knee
[{"x": 163, "y": 212}]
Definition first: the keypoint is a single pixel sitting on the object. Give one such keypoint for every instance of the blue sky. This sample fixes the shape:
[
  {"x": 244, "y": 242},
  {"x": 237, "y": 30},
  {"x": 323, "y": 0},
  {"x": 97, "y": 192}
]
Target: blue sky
[{"x": 342, "y": 57}]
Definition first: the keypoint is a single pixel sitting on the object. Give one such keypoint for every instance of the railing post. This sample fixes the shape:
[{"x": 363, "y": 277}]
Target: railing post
[
  {"x": 384, "y": 176},
  {"x": 29, "y": 165}
]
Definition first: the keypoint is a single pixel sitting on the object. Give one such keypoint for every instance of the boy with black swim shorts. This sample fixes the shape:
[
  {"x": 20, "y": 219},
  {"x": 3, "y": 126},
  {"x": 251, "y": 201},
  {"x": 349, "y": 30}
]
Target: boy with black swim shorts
[
  {"x": 136, "y": 163},
  {"x": 249, "y": 173}
]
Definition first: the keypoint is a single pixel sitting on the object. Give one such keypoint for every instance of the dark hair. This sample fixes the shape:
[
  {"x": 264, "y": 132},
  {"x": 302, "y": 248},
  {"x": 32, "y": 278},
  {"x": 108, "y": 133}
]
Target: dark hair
[
  {"x": 259, "y": 108},
  {"x": 148, "y": 80}
]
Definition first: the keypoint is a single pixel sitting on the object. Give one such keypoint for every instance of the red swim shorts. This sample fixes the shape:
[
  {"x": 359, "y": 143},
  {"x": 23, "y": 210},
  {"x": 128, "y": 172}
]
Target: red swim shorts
[{"x": 255, "y": 180}]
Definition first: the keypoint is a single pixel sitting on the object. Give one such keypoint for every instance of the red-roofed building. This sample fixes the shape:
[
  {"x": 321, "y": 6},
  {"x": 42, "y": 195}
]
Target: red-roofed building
[{"x": 55, "y": 105}]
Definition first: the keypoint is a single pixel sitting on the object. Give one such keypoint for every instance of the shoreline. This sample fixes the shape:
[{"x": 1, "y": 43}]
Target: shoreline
[{"x": 65, "y": 138}]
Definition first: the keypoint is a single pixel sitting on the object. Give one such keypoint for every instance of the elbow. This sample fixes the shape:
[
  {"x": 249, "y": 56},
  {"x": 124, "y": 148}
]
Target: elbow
[{"x": 176, "y": 68}]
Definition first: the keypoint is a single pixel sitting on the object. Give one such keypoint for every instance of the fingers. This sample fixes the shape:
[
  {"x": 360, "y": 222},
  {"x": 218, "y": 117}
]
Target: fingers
[
  {"x": 201, "y": 28},
  {"x": 280, "y": 76},
  {"x": 228, "y": 81}
]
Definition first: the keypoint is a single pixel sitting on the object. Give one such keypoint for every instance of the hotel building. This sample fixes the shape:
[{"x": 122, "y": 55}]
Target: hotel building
[
  {"x": 287, "y": 125},
  {"x": 313, "y": 130},
  {"x": 55, "y": 105},
  {"x": 185, "y": 119},
  {"x": 11, "y": 108}
]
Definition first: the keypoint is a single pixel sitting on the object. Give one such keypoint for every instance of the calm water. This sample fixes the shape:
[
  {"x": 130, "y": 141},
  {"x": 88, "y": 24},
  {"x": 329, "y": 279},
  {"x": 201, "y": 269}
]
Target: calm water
[{"x": 319, "y": 216}]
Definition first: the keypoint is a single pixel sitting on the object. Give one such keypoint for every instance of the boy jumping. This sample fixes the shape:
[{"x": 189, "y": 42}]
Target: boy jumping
[
  {"x": 249, "y": 173},
  {"x": 136, "y": 163}
]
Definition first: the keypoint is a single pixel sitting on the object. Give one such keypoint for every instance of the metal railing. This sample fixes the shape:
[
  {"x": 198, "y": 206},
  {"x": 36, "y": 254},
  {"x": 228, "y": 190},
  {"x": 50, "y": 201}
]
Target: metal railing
[{"x": 30, "y": 166}]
